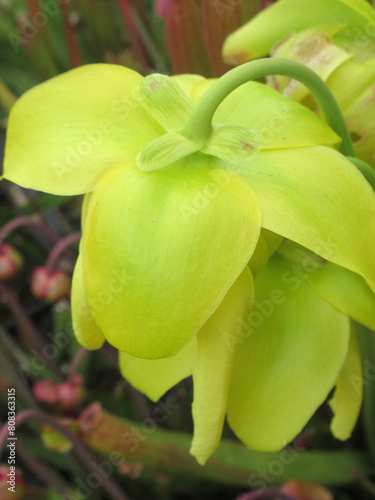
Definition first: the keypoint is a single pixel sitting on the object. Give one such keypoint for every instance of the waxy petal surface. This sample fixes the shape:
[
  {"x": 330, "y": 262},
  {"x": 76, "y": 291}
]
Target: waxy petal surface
[
  {"x": 65, "y": 133},
  {"x": 306, "y": 195},
  {"x": 289, "y": 360},
  {"x": 347, "y": 291},
  {"x": 347, "y": 398},
  {"x": 154, "y": 377},
  {"x": 84, "y": 326},
  {"x": 276, "y": 119},
  {"x": 162, "y": 249},
  {"x": 217, "y": 344}
]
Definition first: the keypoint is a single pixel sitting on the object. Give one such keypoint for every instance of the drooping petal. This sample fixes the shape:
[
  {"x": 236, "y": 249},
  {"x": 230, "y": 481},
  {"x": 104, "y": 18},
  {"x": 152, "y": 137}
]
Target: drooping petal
[
  {"x": 84, "y": 326},
  {"x": 169, "y": 243},
  {"x": 65, "y": 133},
  {"x": 347, "y": 291},
  {"x": 291, "y": 355},
  {"x": 217, "y": 342},
  {"x": 306, "y": 195},
  {"x": 276, "y": 119},
  {"x": 347, "y": 398},
  {"x": 154, "y": 377},
  {"x": 256, "y": 38}
]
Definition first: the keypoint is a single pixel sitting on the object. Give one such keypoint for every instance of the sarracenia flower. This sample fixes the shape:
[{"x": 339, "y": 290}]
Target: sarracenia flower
[
  {"x": 186, "y": 182},
  {"x": 334, "y": 38}
]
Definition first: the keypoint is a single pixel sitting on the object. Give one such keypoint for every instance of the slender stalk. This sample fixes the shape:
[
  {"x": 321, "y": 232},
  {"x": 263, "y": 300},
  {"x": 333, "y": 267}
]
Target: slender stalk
[
  {"x": 60, "y": 248},
  {"x": 199, "y": 126},
  {"x": 46, "y": 474},
  {"x": 83, "y": 453},
  {"x": 71, "y": 37},
  {"x": 80, "y": 354},
  {"x": 30, "y": 334},
  {"x": 25, "y": 220}
]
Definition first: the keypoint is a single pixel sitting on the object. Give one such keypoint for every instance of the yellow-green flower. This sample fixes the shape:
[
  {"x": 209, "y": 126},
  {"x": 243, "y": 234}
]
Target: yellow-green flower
[
  {"x": 172, "y": 217},
  {"x": 336, "y": 39}
]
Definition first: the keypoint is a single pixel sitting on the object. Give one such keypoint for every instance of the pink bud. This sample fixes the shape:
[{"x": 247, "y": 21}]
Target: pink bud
[
  {"x": 50, "y": 285},
  {"x": 302, "y": 490},
  {"x": 71, "y": 393},
  {"x": 11, "y": 482},
  {"x": 10, "y": 261},
  {"x": 46, "y": 391}
]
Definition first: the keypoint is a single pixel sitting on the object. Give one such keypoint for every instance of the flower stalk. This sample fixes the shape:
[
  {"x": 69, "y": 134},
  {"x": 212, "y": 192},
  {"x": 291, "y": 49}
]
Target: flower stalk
[{"x": 199, "y": 127}]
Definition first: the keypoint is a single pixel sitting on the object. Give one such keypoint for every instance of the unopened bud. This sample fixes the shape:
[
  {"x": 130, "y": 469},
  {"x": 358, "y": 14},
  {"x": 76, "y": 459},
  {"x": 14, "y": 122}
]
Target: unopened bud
[
  {"x": 301, "y": 490},
  {"x": 46, "y": 391},
  {"x": 71, "y": 393},
  {"x": 10, "y": 261},
  {"x": 50, "y": 285}
]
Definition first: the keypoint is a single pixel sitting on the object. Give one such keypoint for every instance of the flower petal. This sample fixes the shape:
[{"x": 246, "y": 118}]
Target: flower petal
[
  {"x": 161, "y": 250},
  {"x": 256, "y": 38},
  {"x": 84, "y": 326},
  {"x": 306, "y": 195},
  {"x": 212, "y": 371},
  {"x": 290, "y": 358},
  {"x": 347, "y": 291},
  {"x": 154, "y": 377},
  {"x": 347, "y": 398},
  {"x": 65, "y": 133},
  {"x": 278, "y": 121}
]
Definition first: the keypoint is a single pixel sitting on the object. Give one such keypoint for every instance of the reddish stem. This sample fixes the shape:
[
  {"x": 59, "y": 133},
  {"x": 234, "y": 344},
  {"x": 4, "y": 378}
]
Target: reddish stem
[
  {"x": 138, "y": 46},
  {"x": 27, "y": 328},
  {"x": 80, "y": 354},
  {"x": 60, "y": 248},
  {"x": 71, "y": 37},
  {"x": 25, "y": 220}
]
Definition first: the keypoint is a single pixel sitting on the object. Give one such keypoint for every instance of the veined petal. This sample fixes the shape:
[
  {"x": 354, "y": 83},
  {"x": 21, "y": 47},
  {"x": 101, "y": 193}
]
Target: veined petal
[
  {"x": 306, "y": 195},
  {"x": 217, "y": 341},
  {"x": 84, "y": 326},
  {"x": 187, "y": 82},
  {"x": 65, "y": 133},
  {"x": 161, "y": 250},
  {"x": 154, "y": 377},
  {"x": 347, "y": 398},
  {"x": 256, "y": 38},
  {"x": 347, "y": 291},
  {"x": 163, "y": 98},
  {"x": 313, "y": 48},
  {"x": 289, "y": 360},
  {"x": 278, "y": 121}
]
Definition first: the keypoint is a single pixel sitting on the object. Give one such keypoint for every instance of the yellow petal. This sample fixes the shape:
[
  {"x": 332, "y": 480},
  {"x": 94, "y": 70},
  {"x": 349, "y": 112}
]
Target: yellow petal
[
  {"x": 293, "y": 348},
  {"x": 65, "y": 133},
  {"x": 84, "y": 326},
  {"x": 317, "y": 198},
  {"x": 212, "y": 371},
  {"x": 154, "y": 377},
  {"x": 347, "y": 398},
  {"x": 162, "y": 248}
]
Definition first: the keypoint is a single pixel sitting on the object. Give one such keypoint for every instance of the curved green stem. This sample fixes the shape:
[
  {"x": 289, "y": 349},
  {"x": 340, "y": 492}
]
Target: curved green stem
[{"x": 199, "y": 126}]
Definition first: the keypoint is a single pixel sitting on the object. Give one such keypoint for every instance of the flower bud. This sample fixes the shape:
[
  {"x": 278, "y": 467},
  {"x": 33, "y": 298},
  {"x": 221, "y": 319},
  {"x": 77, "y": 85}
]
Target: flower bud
[
  {"x": 71, "y": 392},
  {"x": 301, "y": 490},
  {"x": 10, "y": 261},
  {"x": 50, "y": 285},
  {"x": 11, "y": 482},
  {"x": 46, "y": 391}
]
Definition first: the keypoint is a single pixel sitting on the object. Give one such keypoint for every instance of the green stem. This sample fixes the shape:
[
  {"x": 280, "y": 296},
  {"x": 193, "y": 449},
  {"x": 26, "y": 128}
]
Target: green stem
[
  {"x": 199, "y": 127},
  {"x": 232, "y": 463}
]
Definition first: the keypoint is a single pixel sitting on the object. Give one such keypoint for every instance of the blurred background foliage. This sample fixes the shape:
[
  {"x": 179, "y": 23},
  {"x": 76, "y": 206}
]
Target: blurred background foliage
[{"x": 58, "y": 384}]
